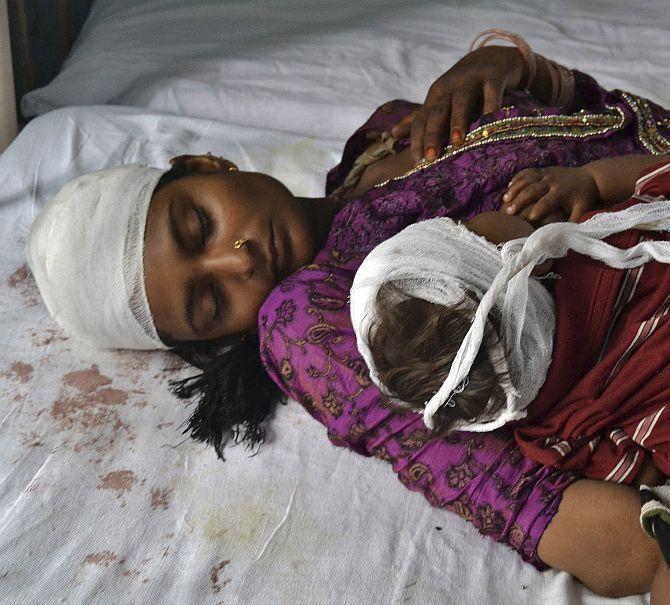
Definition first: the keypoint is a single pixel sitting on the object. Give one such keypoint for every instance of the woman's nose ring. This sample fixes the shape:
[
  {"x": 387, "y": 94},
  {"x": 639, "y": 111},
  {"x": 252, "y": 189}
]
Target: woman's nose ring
[{"x": 239, "y": 243}]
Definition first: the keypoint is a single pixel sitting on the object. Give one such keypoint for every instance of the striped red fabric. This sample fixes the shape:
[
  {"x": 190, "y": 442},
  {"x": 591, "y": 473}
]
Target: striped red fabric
[{"x": 605, "y": 405}]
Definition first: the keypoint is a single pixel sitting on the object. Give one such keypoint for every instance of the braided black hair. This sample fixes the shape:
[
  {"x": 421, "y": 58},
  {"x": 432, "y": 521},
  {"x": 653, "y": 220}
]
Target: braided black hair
[{"x": 233, "y": 392}]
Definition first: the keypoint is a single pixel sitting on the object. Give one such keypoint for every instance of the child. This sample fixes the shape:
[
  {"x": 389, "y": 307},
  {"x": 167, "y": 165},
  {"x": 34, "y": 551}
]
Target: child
[{"x": 425, "y": 301}]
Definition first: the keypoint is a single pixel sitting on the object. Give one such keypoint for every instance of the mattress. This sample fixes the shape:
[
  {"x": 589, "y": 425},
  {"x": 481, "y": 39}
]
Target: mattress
[{"x": 102, "y": 499}]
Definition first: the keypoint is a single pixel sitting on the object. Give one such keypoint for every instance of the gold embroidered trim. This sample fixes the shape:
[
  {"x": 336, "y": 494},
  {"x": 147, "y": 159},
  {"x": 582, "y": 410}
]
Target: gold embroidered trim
[
  {"x": 575, "y": 126},
  {"x": 647, "y": 127}
]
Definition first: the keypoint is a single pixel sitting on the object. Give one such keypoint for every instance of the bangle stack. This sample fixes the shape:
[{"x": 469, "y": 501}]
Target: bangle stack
[
  {"x": 562, "y": 84},
  {"x": 562, "y": 79},
  {"x": 483, "y": 38}
]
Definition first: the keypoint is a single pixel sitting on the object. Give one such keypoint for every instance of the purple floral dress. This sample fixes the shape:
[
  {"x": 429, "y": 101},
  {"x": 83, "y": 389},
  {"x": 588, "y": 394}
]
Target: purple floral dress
[{"x": 308, "y": 345}]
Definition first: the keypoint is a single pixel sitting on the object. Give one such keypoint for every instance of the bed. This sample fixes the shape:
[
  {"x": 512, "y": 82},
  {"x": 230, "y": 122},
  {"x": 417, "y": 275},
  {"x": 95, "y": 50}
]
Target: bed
[{"x": 102, "y": 499}]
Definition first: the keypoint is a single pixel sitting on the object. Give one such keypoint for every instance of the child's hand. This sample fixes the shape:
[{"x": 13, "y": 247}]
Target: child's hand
[{"x": 544, "y": 190}]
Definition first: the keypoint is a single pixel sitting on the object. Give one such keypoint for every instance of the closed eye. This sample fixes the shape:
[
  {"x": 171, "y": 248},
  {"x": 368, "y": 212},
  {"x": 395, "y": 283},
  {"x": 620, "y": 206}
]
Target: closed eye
[
  {"x": 205, "y": 224},
  {"x": 217, "y": 302}
]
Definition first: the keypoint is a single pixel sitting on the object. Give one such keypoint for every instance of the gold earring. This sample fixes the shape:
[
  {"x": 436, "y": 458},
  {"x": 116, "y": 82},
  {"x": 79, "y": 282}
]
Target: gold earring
[{"x": 239, "y": 243}]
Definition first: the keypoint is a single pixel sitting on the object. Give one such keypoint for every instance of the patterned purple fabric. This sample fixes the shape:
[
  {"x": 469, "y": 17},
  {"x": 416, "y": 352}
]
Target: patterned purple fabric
[{"x": 308, "y": 345}]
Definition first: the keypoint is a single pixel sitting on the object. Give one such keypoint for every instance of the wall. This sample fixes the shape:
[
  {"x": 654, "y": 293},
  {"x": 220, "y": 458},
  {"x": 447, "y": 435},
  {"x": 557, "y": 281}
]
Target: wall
[{"x": 42, "y": 33}]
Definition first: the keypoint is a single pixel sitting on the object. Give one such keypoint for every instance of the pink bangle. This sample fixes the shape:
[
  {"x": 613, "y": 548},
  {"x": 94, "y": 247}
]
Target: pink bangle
[
  {"x": 554, "y": 76},
  {"x": 567, "y": 94},
  {"x": 483, "y": 38},
  {"x": 562, "y": 84}
]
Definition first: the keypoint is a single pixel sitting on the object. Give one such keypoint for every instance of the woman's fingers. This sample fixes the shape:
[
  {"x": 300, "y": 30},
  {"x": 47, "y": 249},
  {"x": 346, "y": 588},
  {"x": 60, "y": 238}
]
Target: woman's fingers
[
  {"x": 418, "y": 130},
  {"x": 462, "y": 107},
  {"x": 493, "y": 95},
  {"x": 445, "y": 113},
  {"x": 402, "y": 128},
  {"x": 436, "y": 126}
]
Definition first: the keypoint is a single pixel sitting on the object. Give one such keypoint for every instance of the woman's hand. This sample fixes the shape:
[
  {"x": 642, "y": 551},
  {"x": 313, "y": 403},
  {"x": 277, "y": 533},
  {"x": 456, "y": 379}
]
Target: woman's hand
[
  {"x": 536, "y": 193},
  {"x": 484, "y": 74}
]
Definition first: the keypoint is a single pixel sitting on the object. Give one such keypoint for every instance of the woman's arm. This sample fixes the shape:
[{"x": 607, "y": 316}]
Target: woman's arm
[{"x": 308, "y": 347}]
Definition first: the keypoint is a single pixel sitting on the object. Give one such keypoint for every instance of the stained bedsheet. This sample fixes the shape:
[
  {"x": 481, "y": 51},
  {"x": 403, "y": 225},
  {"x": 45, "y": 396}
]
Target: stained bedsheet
[{"x": 102, "y": 500}]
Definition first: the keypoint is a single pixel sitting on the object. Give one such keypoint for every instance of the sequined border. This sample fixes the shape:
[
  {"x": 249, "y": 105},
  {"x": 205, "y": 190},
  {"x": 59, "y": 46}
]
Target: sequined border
[
  {"x": 576, "y": 126},
  {"x": 647, "y": 127}
]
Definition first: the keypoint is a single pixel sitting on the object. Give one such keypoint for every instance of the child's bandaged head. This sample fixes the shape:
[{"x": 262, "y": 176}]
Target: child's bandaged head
[
  {"x": 413, "y": 345},
  {"x": 440, "y": 261}
]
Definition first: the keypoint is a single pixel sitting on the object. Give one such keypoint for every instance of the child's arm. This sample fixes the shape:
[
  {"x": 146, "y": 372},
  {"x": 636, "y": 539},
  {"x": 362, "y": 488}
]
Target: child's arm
[
  {"x": 500, "y": 228},
  {"x": 536, "y": 192}
]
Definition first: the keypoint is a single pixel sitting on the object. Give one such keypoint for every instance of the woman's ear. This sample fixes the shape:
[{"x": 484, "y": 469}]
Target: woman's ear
[{"x": 202, "y": 164}]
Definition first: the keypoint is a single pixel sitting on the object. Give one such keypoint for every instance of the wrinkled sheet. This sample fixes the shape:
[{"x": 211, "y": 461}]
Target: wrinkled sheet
[
  {"x": 102, "y": 500},
  {"x": 318, "y": 67}
]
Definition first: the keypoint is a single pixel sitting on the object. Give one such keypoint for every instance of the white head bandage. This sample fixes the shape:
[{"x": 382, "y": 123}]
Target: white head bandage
[
  {"x": 438, "y": 260},
  {"x": 86, "y": 251}
]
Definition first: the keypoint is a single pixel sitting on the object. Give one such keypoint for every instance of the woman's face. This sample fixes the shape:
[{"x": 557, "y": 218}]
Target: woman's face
[{"x": 201, "y": 287}]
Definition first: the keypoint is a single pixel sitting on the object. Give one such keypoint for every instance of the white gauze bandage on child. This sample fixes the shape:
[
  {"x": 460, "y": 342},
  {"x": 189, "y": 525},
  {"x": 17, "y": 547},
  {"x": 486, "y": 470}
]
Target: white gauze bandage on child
[
  {"x": 86, "y": 252},
  {"x": 439, "y": 261}
]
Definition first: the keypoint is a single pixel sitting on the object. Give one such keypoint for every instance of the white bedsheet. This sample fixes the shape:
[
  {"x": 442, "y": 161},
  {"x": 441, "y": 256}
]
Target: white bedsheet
[
  {"x": 317, "y": 67},
  {"x": 101, "y": 502},
  {"x": 97, "y": 504}
]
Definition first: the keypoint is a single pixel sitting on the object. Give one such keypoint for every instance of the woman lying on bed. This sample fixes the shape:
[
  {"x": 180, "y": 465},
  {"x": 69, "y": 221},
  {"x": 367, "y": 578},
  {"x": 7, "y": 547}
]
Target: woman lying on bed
[{"x": 220, "y": 264}]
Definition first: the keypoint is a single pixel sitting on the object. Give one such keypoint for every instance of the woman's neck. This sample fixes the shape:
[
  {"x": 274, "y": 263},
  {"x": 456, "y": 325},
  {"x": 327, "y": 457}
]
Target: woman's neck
[{"x": 320, "y": 213}]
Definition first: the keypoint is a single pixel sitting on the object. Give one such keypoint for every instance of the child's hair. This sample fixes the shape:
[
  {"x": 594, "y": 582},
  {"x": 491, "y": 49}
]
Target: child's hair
[{"x": 413, "y": 344}]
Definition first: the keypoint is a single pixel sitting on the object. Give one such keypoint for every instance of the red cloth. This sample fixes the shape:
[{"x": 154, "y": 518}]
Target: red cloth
[{"x": 605, "y": 405}]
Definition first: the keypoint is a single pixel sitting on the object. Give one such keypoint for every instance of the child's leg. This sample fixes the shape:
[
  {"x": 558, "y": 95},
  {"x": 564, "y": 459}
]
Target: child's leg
[
  {"x": 660, "y": 588},
  {"x": 655, "y": 516},
  {"x": 596, "y": 536},
  {"x": 649, "y": 474}
]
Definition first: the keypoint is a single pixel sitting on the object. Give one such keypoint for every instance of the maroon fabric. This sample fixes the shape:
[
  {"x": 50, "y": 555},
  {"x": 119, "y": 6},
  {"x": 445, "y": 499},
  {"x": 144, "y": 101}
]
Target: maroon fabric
[{"x": 604, "y": 406}]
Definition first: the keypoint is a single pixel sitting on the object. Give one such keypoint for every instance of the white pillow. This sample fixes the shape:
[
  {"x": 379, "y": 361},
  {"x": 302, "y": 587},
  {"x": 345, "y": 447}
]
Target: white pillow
[
  {"x": 319, "y": 67},
  {"x": 308, "y": 66}
]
